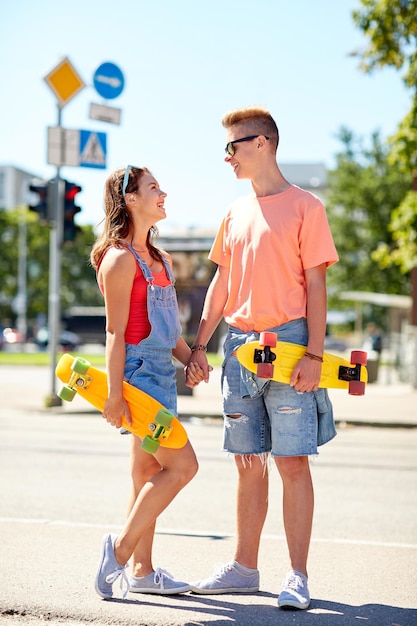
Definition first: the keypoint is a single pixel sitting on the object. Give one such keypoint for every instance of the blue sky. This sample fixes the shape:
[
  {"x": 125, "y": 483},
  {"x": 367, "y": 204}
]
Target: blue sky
[{"x": 185, "y": 64}]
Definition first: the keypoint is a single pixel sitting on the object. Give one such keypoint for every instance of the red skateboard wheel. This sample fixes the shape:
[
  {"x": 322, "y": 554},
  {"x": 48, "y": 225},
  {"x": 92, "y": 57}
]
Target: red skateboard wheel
[
  {"x": 356, "y": 388},
  {"x": 358, "y": 357},
  {"x": 268, "y": 338},
  {"x": 265, "y": 370}
]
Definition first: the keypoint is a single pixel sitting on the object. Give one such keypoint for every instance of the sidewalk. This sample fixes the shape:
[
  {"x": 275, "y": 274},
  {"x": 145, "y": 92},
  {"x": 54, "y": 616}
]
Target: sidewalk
[{"x": 386, "y": 404}]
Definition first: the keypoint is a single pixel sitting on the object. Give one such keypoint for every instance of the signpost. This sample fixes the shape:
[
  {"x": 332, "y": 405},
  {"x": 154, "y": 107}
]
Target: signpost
[
  {"x": 81, "y": 148},
  {"x": 78, "y": 148},
  {"x": 66, "y": 83}
]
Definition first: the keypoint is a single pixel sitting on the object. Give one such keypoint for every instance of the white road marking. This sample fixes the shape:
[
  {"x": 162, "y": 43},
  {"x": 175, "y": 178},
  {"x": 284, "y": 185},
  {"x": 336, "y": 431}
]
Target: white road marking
[{"x": 205, "y": 533}]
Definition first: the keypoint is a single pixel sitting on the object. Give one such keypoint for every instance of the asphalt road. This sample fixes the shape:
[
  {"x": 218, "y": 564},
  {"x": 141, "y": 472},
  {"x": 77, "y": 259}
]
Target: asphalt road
[{"x": 64, "y": 482}]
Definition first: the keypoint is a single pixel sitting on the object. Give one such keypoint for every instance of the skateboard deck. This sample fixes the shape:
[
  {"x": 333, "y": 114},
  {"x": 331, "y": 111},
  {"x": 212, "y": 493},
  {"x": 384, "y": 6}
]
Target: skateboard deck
[
  {"x": 151, "y": 421},
  {"x": 269, "y": 358}
]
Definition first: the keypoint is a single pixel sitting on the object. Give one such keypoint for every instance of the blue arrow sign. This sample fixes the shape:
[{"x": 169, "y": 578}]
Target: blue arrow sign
[{"x": 109, "y": 80}]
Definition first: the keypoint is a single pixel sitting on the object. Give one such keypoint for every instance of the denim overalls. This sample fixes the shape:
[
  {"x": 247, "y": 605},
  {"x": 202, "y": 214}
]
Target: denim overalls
[{"x": 149, "y": 363}]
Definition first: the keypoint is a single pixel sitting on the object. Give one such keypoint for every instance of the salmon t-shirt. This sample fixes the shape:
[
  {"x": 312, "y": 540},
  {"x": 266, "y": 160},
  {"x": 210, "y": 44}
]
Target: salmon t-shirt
[{"x": 267, "y": 243}]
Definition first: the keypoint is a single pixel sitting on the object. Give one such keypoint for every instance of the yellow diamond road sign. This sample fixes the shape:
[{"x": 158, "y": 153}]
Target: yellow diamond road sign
[{"x": 64, "y": 81}]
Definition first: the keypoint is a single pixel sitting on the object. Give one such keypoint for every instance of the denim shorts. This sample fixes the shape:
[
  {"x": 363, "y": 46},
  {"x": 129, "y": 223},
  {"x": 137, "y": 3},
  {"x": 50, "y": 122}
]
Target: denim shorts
[
  {"x": 152, "y": 371},
  {"x": 277, "y": 419}
]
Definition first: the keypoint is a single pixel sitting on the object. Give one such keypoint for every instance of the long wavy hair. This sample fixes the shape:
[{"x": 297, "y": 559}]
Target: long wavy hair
[{"x": 116, "y": 222}]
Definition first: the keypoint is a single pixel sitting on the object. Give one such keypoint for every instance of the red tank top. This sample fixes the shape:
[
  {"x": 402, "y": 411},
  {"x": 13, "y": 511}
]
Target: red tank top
[{"x": 138, "y": 326}]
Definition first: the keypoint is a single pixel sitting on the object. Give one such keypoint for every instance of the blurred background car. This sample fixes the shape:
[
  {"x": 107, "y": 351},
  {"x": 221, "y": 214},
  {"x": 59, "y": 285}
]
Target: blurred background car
[
  {"x": 9, "y": 336},
  {"x": 67, "y": 340},
  {"x": 335, "y": 344}
]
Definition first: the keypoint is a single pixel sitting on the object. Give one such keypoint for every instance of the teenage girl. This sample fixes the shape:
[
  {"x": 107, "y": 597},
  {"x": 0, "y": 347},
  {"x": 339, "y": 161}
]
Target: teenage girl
[{"x": 142, "y": 335}]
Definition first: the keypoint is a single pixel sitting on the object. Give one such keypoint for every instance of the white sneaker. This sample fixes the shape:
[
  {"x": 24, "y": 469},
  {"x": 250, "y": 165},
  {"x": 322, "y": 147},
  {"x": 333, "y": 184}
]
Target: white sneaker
[
  {"x": 294, "y": 592},
  {"x": 229, "y": 578},
  {"x": 109, "y": 570},
  {"x": 160, "y": 581}
]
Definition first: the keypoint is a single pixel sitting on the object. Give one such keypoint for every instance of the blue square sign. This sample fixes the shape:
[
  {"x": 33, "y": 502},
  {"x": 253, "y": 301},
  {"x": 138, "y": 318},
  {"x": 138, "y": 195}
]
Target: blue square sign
[{"x": 93, "y": 149}]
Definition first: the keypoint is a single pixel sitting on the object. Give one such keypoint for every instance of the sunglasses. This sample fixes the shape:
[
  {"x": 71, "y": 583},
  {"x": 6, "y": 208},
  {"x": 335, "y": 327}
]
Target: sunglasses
[
  {"x": 230, "y": 149},
  {"x": 126, "y": 177}
]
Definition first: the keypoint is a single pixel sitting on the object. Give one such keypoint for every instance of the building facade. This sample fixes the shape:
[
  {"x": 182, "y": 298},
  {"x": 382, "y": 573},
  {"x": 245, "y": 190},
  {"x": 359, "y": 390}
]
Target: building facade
[{"x": 14, "y": 187}]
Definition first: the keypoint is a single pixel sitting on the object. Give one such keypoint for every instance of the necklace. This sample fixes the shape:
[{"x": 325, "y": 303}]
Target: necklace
[
  {"x": 138, "y": 249},
  {"x": 148, "y": 263}
]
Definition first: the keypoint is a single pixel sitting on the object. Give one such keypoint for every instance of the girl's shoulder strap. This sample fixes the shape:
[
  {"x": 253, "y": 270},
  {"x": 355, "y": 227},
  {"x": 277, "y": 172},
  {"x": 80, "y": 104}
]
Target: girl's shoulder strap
[
  {"x": 141, "y": 263},
  {"x": 166, "y": 261}
]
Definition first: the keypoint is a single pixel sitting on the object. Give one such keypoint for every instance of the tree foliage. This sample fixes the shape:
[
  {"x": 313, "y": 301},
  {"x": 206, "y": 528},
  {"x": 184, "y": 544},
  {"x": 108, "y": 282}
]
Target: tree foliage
[
  {"x": 403, "y": 226},
  {"x": 363, "y": 192},
  {"x": 391, "y": 28},
  {"x": 78, "y": 283}
]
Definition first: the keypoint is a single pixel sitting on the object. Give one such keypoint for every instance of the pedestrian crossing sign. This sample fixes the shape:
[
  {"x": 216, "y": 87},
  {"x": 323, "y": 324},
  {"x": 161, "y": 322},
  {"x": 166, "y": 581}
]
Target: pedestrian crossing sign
[{"x": 93, "y": 149}]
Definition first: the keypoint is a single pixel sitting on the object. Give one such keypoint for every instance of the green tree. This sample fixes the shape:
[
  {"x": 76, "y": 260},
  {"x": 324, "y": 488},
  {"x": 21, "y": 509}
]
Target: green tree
[
  {"x": 37, "y": 256},
  {"x": 363, "y": 191},
  {"x": 78, "y": 283},
  {"x": 391, "y": 29},
  {"x": 78, "y": 280}
]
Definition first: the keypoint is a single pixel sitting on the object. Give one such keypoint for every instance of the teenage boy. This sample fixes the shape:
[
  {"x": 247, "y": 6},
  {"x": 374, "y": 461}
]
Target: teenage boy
[{"x": 272, "y": 250}]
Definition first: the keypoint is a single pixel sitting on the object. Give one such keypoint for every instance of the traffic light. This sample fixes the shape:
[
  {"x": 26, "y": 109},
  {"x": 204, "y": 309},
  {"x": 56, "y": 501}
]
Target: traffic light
[
  {"x": 70, "y": 210},
  {"x": 40, "y": 187}
]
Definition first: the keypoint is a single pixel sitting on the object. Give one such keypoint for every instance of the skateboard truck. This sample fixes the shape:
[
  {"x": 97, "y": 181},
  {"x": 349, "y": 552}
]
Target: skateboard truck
[
  {"x": 78, "y": 378},
  {"x": 81, "y": 381},
  {"x": 264, "y": 358},
  {"x": 160, "y": 428},
  {"x": 160, "y": 432},
  {"x": 350, "y": 373},
  {"x": 264, "y": 355}
]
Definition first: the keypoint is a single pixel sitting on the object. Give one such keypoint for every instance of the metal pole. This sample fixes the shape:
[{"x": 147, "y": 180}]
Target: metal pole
[
  {"x": 21, "y": 305},
  {"x": 55, "y": 246}
]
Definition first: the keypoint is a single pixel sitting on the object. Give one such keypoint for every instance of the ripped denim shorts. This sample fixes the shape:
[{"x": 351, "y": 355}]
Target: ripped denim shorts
[{"x": 277, "y": 419}]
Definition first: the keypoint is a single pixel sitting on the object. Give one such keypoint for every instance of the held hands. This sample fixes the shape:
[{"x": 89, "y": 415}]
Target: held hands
[
  {"x": 306, "y": 375},
  {"x": 115, "y": 409},
  {"x": 193, "y": 374},
  {"x": 197, "y": 369}
]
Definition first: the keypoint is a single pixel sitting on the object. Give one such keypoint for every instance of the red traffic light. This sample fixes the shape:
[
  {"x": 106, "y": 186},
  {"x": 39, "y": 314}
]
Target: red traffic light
[
  {"x": 71, "y": 191},
  {"x": 70, "y": 210}
]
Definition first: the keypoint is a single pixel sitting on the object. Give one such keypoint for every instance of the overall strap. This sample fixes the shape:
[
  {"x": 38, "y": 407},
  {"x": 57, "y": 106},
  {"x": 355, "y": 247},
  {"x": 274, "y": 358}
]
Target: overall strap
[
  {"x": 142, "y": 264},
  {"x": 147, "y": 272},
  {"x": 168, "y": 269}
]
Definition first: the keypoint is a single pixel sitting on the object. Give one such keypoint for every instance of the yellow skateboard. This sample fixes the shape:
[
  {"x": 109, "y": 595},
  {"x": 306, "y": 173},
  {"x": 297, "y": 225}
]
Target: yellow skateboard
[
  {"x": 151, "y": 421},
  {"x": 269, "y": 358}
]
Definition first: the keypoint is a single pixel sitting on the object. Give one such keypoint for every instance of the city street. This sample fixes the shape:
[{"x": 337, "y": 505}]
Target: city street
[{"x": 65, "y": 481}]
